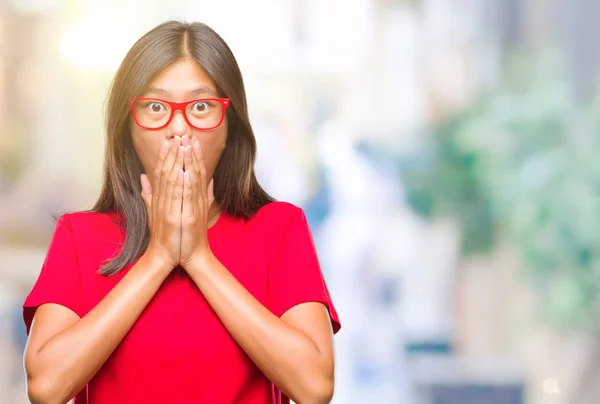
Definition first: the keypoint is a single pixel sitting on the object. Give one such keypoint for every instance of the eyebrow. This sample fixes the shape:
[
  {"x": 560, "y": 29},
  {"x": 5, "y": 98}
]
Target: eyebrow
[{"x": 195, "y": 92}]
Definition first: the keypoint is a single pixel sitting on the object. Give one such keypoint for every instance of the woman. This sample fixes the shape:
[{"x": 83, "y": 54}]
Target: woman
[{"x": 186, "y": 283}]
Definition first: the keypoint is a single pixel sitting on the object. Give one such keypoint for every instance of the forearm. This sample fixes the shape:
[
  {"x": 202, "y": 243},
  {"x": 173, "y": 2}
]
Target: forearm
[
  {"x": 286, "y": 355},
  {"x": 68, "y": 360}
]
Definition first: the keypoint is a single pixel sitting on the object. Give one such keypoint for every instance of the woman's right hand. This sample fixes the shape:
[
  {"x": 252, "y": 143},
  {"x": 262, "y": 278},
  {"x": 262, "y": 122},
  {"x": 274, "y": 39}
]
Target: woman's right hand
[{"x": 163, "y": 199}]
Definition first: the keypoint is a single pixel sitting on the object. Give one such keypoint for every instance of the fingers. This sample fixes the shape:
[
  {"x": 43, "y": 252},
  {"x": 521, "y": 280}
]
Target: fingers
[
  {"x": 211, "y": 191},
  {"x": 200, "y": 171},
  {"x": 195, "y": 162},
  {"x": 185, "y": 140},
  {"x": 168, "y": 174},
  {"x": 162, "y": 156},
  {"x": 191, "y": 189},
  {"x": 175, "y": 186},
  {"x": 146, "y": 191},
  {"x": 188, "y": 208},
  {"x": 177, "y": 196}
]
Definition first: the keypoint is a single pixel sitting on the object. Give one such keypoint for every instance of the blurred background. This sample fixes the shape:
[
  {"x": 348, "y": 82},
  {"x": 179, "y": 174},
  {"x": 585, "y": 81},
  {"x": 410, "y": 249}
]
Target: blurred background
[{"x": 445, "y": 153}]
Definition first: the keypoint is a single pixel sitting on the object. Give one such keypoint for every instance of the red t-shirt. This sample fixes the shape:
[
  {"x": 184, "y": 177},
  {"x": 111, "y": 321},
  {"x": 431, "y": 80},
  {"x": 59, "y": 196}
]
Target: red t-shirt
[{"x": 178, "y": 351}]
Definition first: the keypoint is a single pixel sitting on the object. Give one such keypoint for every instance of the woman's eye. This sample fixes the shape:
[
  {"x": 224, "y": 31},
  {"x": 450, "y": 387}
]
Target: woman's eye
[
  {"x": 155, "y": 107},
  {"x": 200, "y": 106}
]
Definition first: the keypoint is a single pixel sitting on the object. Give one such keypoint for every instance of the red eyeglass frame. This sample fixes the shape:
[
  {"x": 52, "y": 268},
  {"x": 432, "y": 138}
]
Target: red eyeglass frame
[{"x": 180, "y": 106}]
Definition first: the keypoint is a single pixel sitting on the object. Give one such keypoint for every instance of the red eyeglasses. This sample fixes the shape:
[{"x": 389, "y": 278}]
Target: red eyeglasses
[{"x": 202, "y": 113}]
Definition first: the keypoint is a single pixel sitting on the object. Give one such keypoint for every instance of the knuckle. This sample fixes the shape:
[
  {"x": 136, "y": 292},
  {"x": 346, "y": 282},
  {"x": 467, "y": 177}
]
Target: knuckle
[
  {"x": 172, "y": 180},
  {"x": 164, "y": 170}
]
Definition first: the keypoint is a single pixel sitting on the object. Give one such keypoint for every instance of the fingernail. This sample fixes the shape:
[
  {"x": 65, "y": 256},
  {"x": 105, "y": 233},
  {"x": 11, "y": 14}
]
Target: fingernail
[
  {"x": 180, "y": 152},
  {"x": 180, "y": 175},
  {"x": 178, "y": 140},
  {"x": 197, "y": 146},
  {"x": 185, "y": 139},
  {"x": 188, "y": 151},
  {"x": 165, "y": 146}
]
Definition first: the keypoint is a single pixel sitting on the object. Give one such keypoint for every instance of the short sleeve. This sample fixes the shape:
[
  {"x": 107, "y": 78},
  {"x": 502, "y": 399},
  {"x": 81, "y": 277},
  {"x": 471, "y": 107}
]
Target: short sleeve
[
  {"x": 296, "y": 275},
  {"x": 59, "y": 280}
]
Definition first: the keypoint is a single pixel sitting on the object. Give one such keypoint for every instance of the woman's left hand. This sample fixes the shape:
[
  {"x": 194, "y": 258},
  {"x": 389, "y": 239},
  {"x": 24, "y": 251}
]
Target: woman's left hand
[{"x": 197, "y": 200}]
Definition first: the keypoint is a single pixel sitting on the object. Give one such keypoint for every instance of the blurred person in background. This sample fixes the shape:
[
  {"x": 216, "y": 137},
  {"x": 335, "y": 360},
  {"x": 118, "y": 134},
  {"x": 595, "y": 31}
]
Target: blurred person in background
[{"x": 186, "y": 282}]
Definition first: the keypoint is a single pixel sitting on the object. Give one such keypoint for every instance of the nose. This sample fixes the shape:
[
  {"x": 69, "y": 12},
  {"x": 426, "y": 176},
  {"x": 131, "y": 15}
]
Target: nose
[{"x": 178, "y": 126}]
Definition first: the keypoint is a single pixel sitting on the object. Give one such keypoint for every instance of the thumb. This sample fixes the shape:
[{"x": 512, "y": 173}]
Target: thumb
[{"x": 146, "y": 190}]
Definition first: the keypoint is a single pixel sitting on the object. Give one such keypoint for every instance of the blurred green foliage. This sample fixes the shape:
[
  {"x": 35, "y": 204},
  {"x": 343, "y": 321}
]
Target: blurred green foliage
[{"x": 522, "y": 164}]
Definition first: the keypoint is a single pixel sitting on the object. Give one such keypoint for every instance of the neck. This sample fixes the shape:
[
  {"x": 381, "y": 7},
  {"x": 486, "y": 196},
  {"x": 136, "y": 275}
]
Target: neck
[{"x": 214, "y": 213}]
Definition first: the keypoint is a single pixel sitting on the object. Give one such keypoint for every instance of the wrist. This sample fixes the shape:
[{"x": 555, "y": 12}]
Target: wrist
[
  {"x": 199, "y": 262},
  {"x": 156, "y": 262}
]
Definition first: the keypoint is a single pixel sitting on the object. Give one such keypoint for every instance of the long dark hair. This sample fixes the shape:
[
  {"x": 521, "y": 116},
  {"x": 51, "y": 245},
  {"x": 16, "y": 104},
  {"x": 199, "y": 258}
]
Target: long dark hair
[{"x": 236, "y": 189}]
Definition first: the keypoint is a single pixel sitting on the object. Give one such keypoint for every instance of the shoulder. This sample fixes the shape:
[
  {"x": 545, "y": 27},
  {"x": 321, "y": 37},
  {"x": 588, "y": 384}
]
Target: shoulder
[
  {"x": 86, "y": 218},
  {"x": 278, "y": 214},
  {"x": 89, "y": 223},
  {"x": 275, "y": 220}
]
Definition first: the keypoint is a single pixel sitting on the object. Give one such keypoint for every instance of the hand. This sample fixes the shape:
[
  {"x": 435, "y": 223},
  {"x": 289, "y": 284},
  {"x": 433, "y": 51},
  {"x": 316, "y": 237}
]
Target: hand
[
  {"x": 197, "y": 200},
  {"x": 163, "y": 200}
]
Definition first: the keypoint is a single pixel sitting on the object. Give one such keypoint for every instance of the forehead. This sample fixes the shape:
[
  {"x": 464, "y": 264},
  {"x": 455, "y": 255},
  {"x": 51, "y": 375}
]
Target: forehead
[{"x": 181, "y": 78}]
